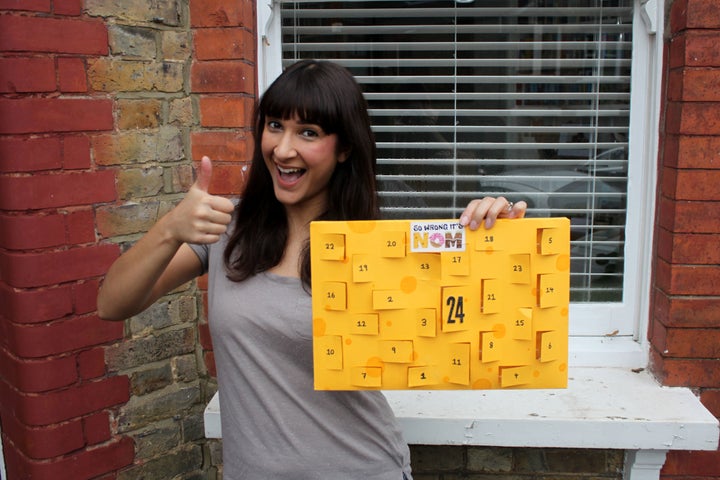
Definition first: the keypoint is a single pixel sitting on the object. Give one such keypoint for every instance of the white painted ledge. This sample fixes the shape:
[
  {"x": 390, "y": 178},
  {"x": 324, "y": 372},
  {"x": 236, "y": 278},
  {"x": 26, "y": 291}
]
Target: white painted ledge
[{"x": 612, "y": 408}]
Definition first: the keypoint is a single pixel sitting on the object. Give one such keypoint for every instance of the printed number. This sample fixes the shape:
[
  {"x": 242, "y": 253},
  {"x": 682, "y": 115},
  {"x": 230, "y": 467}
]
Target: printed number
[
  {"x": 422, "y": 376},
  {"x": 330, "y": 351},
  {"x": 549, "y": 239},
  {"x": 491, "y": 296},
  {"x": 520, "y": 323},
  {"x": 329, "y": 246},
  {"x": 364, "y": 375},
  {"x": 389, "y": 300},
  {"x": 424, "y": 322},
  {"x": 456, "y": 259},
  {"x": 549, "y": 346},
  {"x": 489, "y": 238},
  {"x": 363, "y": 268},
  {"x": 391, "y": 243},
  {"x": 331, "y": 295},
  {"x": 361, "y": 323},
  {"x": 456, "y": 310},
  {"x": 549, "y": 290},
  {"x": 517, "y": 268},
  {"x": 456, "y": 362},
  {"x": 424, "y": 266},
  {"x": 491, "y": 345},
  {"x": 394, "y": 350}
]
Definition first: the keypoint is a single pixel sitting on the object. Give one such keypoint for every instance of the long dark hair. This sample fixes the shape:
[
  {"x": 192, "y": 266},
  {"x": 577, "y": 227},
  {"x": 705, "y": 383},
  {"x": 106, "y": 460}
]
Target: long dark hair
[{"x": 324, "y": 94}]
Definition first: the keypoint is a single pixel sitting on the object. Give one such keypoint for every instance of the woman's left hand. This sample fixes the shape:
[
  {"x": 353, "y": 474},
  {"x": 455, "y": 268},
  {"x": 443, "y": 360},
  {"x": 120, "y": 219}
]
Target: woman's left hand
[{"x": 487, "y": 210}]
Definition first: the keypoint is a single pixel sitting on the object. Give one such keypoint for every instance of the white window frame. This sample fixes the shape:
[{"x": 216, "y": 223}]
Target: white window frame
[{"x": 601, "y": 334}]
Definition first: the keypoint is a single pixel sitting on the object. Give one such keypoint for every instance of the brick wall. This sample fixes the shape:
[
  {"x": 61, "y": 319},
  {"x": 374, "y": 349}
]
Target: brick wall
[{"x": 685, "y": 323}]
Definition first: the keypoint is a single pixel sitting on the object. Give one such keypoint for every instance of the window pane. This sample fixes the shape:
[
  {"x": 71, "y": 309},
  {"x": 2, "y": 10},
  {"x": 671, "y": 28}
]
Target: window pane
[{"x": 521, "y": 98}]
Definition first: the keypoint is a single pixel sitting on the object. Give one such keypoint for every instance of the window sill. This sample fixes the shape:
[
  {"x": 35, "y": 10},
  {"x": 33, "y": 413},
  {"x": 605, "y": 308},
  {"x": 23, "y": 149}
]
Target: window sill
[{"x": 601, "y": 408}]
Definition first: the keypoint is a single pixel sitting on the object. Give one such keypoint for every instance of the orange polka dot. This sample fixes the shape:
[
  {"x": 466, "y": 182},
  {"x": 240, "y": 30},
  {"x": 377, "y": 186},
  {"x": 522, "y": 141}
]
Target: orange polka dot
[
  {"x": 319, "y": 327},
  {"x": 489, "y": 251},
  {"x": 408, "y": 284},
  {"x": 389, "y": 323},
  {"x": 562, "y": 367},
  {"x": 482, "y": 384},
  {"x": 564, "y": 312},
  {"x": 499, "y": 330},
  {"x": 374, "y": 372},
  {"x": 375, "y": 362},
  {"x": 348, "y": 341},
  {"x": 563, "y": 262},
  {"x": 536, "y": 373},
  {"x": 446, "y": 379},
  {"x": 364, "y": 226}
]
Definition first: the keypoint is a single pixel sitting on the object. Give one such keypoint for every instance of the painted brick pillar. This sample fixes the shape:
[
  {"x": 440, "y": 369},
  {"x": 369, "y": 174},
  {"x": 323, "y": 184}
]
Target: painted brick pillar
[
  {"x": 223, "y": 78},
  {"x": 55, "y": 391},
  {"x": 685, "y": 321}
]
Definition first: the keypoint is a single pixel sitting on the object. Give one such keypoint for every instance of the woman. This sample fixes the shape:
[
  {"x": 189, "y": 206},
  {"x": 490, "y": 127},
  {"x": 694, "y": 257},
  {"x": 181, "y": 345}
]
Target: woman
[{"x": 314, "y": 159}]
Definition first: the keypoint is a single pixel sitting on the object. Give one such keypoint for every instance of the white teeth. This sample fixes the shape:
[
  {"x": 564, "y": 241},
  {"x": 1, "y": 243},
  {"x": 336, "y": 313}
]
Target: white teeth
[{"x": 289, "y": 171}]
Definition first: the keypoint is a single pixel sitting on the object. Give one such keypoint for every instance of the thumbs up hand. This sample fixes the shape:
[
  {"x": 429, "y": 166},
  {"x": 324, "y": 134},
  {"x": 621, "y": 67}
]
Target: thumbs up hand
[{"x": 200, "y": 217}]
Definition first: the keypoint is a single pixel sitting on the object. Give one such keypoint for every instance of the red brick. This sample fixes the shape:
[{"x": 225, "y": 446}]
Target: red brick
[
  {"x": 25, "y": 270},
  {"x": 227, "y": 180},
  {"x": 698, "y": 185},
  {"x": 89, "y": 463},
  {"x": 711, "y": 400},
  {"x": 26, "y": 5},
  {"x": 703, "y": 14},
  {"x": 692, "y": 343},
  {"x": 226, "y": 111},
  {"x": 71, "y": 75},
  {"x": 36, "y": 306},
  {"x": 678, "y": 16},
  {"x": 21, "y": 154},
  {"x": 68, "y": 7},
  {"x": 61, "y": 405},
  {"x": 85, "y": 296},
  {"x": 222, "y": 13},
  {"x": 44, "y": 442},
  {"x": 39, "y": 115},
  {"x": 688, "y": 280},
  {"x": 33, "y": 376},
  {"x": 698, "y": 118},
  {"x": 222, "y": 146},
  {"x": 701, "y": 84},
  {"x": 204, "y": 334},
  {"x": 32, "y": 231},
  {"x": 692, "y": 463},
  {"x": 700, "y": 48},
  {"x": 686, "y": 373},
  {"x": 222, "y": 77},
  {"x": 675, "y": 50},
  {"x": 60, "y": 336},
  {"x": 698, "y": 152},
  {"x": 687, "y": 312},
  {"x": 224, "y": 44},
  {"x": 56, "y": 190},
  {"x": 97, "y": 428},
  {"x": 694, "y": 249},
  {"x": 23, "y": 75},
  {"x": 675, "y": 85},
  {"x": 209, "y": 358},
  {"x": 42, "y": 34},
  {"x": 689, "y": 217},
  {"x": 80, "y": 226},
  {"x": 91, "y": 364}
]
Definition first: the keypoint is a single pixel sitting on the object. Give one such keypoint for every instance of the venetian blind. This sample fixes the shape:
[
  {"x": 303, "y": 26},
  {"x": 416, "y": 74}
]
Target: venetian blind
[{"x": 528, "y": 99}]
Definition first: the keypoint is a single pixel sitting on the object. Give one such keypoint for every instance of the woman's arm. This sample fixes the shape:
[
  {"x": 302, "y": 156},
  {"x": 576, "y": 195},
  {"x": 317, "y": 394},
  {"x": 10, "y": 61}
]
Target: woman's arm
[{"x": 160, "y": 261}]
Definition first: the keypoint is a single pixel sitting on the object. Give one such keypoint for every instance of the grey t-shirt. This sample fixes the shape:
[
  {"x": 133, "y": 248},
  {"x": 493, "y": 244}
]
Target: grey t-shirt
[{"x": 274, "y": 424}]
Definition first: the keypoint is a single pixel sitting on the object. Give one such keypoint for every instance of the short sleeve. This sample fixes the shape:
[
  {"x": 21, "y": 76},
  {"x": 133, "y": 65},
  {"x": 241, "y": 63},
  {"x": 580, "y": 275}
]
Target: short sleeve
[{"x": 203, "y": 253}]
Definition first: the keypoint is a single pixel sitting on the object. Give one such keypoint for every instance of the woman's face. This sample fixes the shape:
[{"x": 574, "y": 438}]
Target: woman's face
[{"x": 301, "y": 159}]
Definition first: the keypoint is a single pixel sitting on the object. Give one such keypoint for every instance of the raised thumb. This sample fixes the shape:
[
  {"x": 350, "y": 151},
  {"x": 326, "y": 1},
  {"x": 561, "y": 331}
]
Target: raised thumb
[{"x": 204, "y": 174}]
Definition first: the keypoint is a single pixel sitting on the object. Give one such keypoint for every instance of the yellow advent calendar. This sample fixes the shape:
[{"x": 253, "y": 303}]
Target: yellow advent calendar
[{"x": 431, "y": 305}]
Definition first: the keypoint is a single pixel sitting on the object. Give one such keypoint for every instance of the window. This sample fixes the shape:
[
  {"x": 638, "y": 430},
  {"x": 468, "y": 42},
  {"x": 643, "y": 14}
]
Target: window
[{"x": 529, "y": 99}]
